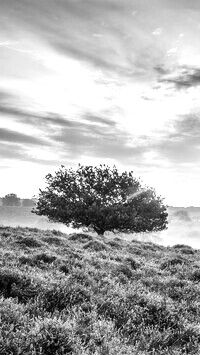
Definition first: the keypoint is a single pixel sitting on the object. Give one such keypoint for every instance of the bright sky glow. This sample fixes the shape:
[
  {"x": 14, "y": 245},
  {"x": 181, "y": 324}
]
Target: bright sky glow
[{"x": 100, "y": 81}]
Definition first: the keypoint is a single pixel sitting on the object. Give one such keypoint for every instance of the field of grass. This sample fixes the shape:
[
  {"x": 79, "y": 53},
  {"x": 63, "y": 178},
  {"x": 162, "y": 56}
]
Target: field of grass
[{"x": 80, "y": 294}]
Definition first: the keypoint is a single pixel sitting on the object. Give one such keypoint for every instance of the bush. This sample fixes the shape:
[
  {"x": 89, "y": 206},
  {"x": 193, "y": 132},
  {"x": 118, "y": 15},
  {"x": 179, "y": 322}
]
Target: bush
[
  {"x": 114, "y": 244},
  {"x": 52, "y": 240},
  {"x": 182, "y": 246},
  {"x": 95, "y": 246},
  {"x": 51, "y": 336},
  {"x": 195, "y": 276},
  {"x": 137, "y": 311},
  {"x": 123, "y": 269},
  {"x": 187, "y": 251},
  {"x": 64, "y": 295},
  {"x": 13, "y": 284},
  {"x": 172, "y": 262},
  {"x": 29, "y": 242},
  {"x": 80, "y": 237},
  {"x": 130, "y": 261},
  {"x": 45, "y": 258}
]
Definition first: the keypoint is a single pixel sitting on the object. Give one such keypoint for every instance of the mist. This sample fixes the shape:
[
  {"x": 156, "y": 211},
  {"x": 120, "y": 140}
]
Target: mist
[
  {"x": 182, "y": 229},
  {"x": 183, "y": 226}
]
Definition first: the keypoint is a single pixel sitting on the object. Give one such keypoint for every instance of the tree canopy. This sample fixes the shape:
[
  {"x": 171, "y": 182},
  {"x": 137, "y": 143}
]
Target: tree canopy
[
  {"x": 101, "y": 199},
  {"x": 11, "y": 200}
]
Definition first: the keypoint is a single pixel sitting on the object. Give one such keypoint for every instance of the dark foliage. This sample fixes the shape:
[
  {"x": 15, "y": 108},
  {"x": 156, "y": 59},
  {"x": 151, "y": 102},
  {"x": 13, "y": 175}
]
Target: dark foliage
[
  {"x": 101, "y": 199},
  {"x": 11, "y": 200},
  {"x": 29, "y": 242},
  {"x": 17, "y": 285}
]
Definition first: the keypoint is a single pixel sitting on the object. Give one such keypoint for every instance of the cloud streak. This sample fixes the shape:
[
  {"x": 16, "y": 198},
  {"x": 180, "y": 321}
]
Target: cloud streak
[
  {"x": 92, "y": 135},
  {"x": 7, "y": 135},
  {"x": 182, "y": 144},
  {"x": 182, "y": 78}
]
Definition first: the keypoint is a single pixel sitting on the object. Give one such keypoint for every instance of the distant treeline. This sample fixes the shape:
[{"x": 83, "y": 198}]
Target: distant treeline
[{"x": 13, "y": 200}]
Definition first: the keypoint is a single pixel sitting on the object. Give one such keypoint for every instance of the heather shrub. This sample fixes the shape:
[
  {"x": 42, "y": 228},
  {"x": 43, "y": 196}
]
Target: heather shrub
[
  {"x": 135, "y": 250},
  {"x": 187, "y": 251},
  {"x": 29, "y": 242},
  {"x": 51, "y": 336},
  {"x": 124, "y": 269},
  {"x": 12, "y": 312},
  {"x": 56, "y": 232},
  {"x": 175, "y": 288},
  {"x": 6, "y": 233},
  {"x": 73, "y": 261},
  {"x": 64, "y": 295},
  {"x": 195, "y": 275},
  {"x": 172, "y": 262},
  {"x": 64, "y": 268},
  {"x": 52, "y": 240},
  {"x": 45, "y": 258},
  {"x": 182, "y": 246},
  {"x": 15, "y": 284},
  {"x": 130, "y": 261},
  {"x": 114, "y": 244},
  {"x": 37, "y": 260},
  {"x": 150, "y": 247},
  {"x": 95, "y": 246},
  {"x": 80, "y": 237},
  {"x": 26, "y": 260}
]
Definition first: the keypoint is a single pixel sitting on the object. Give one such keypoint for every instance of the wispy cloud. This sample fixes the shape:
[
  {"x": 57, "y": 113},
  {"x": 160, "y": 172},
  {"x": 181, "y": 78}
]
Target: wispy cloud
[
  {"x": 182, "y": 144},
  {"x": 7, "y": 135},
  {"x": 183, "y": 77},
  {"x": 91, "y": 135},
  {"x": 19, "y": 153}
]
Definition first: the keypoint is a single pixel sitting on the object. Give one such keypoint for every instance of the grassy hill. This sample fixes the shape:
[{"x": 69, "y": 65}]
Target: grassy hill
[{"x": 78, "y": 294}]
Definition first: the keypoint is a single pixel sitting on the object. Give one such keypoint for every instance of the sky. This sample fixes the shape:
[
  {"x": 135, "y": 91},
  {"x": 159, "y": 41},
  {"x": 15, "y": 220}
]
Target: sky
[{"x": 101, "y": 81}]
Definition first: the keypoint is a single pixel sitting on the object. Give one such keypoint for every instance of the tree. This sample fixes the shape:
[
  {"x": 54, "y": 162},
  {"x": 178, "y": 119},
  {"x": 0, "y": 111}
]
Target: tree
[
  {"x": 182, "y": 215},
  {"x": 11, "y": 200},
  {"x": 101, "y": 199}
]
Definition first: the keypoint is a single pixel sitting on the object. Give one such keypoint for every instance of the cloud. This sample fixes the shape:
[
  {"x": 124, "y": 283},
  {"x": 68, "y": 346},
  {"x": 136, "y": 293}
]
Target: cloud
[
  {"x": 97, "y": 136},
  {"x": 98, "y": 33},
  {"x": 46, "y": 120},
  {"x": 182, "y": 144},
  {"x": 100, "y": 138},
  {"x": 27, "y": 117},
  {"x": 7, "y": 135},
  {"x": 188, "y": 125},
  {"x": 157, "y": 31},
  {"x": 99, "y": 120},
  {"x": 183, "y": 77},
  {"x": 15, "y": 151}
]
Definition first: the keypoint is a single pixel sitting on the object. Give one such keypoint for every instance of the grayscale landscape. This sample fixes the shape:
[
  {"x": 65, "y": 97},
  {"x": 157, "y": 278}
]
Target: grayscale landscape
[{"x": 99, "y": 177}]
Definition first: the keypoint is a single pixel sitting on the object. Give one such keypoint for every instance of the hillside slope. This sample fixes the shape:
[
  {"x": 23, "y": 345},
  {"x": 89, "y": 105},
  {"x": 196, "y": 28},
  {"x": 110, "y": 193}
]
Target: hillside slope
[{"x": 77, "y": 294}]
